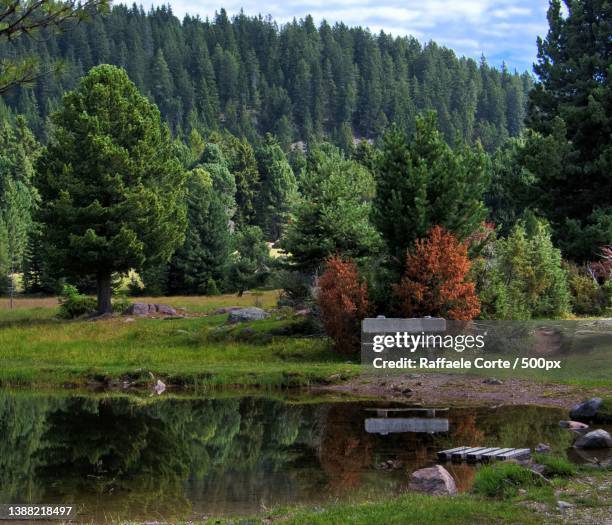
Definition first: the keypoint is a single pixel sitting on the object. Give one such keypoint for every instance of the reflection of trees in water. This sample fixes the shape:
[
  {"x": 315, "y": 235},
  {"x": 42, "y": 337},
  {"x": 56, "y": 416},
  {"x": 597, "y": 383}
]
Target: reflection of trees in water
[
  {"x": 464, "y": 429},
  {"x": 136, "y": 456},
  {"x": 346, "y": 449},
  {"x": 524, "y": 426},
  {"x": 22, "y": 424}
]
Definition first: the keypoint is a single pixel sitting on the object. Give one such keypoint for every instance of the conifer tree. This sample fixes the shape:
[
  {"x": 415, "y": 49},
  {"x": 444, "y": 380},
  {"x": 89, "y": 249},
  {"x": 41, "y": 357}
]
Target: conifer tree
[
  {"x": 572, "y": 104},
  {"x": 423, "y": 183},
  {"x": 331, "y": 217},
  {"x": 278, "y": 188},
  {"x": 110, "y": 185}
]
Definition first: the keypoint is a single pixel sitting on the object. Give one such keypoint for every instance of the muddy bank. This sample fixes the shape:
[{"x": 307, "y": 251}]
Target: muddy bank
[{"x": 455, "y": 389}]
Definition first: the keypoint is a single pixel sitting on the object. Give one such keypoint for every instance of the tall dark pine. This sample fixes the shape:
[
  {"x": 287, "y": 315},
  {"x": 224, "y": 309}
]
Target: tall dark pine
[
  {"x": 111, "y": 188},
  {"x": 574, "y": 96}
]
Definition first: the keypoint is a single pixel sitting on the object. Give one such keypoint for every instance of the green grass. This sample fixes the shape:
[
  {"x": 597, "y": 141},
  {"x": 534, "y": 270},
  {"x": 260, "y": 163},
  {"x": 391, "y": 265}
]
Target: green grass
[
  {"x": 605, "y": 411},
  {"x": 556, "y": 465},
  {"x": 36, "y": 349},
  {"x": 409, "y": 509},
  {"x": 502, "y": 480},
  {"x": 417, "y": 509}
]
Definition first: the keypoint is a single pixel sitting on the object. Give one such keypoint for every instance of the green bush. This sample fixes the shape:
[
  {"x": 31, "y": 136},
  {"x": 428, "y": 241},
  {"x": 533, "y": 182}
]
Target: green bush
[
  {"x": 502, "y": 480},
  {"x": 73, "y": 304},
  {"x": 523, "y": 276},
  {"x": 296, "y": 288},
  {"x": 556, "y": 465},
  {"x": 588, "y": 296},
  {"x": 211, "y": 287},
  {"x": 121, "y": 304}
]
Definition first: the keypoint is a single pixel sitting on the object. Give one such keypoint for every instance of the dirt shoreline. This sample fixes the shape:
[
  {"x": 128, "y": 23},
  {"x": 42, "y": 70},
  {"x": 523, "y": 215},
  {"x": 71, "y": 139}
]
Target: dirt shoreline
[{"x": 460, "y": 389}]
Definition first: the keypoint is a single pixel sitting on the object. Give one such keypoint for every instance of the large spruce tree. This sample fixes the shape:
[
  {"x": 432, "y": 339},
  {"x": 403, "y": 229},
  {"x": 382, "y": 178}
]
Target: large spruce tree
[
  {"x": 111, "y": 188},
  {"x": 571, "y": 111},
  {"x": 332, "y": 214},
  {"x": 278, "y": 188},
  {"x": 424, "y": 182}
]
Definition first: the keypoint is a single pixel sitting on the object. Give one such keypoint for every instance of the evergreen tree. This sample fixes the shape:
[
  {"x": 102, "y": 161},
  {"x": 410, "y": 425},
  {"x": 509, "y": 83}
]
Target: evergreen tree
[
  {"x": 278, "y": 188},
  {"x": 111, "y": 188},
  {"x": 19, "y": 18},
  {"x": 18, "y": 197},
  {"x": 332, "y": 215},
  {"x": 299, "y": 82},
  {"x": 250, "y": 261},
  {"x": 525, "y": 278},
  {"x": 198, "y": 267},
  {"x": 572, "y": 103},
  {"x": 423, "y": 183},
  {"x": 223, "y": 181}
]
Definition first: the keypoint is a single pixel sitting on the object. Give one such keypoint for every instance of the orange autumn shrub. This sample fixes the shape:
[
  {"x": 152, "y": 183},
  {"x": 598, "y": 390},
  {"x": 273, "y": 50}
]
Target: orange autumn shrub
[
  {"x": 343, "y": 301},
  {"x": 435, "y": 281}
]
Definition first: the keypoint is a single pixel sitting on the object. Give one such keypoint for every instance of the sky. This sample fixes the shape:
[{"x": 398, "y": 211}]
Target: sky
[{"x": 502, "y": 30}]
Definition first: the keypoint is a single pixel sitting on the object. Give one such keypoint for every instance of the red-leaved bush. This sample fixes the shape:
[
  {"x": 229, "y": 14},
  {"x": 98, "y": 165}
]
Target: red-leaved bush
[
  {"x": 343, "y": 301},
  {"x": 435, "y": 280}
]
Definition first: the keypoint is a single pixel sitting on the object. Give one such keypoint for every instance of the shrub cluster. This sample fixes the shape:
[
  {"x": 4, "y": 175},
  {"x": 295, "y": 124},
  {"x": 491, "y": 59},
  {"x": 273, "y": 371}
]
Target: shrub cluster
[{"x": 74, "y": 304}]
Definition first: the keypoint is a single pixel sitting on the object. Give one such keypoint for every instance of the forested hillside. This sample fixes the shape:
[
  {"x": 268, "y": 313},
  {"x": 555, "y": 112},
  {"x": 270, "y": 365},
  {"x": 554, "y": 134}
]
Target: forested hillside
[{"x": 297, "y": 81}]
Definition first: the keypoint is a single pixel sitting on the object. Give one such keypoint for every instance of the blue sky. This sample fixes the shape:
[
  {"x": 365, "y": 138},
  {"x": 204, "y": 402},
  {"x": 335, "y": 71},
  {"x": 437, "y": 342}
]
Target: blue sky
[{"x": 504, "y": 30}]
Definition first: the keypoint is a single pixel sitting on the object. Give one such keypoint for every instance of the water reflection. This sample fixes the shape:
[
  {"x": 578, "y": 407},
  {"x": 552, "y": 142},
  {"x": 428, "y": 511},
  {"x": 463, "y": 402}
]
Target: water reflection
[{"x": 130, "y": 458}]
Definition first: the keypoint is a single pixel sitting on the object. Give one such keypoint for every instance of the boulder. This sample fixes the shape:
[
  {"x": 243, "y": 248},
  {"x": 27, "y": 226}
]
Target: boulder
[
  {"x": 435, "y": 481},
  {"x": 542, "y": 448},
  {"x": 138, "y": 309},
  {"x": 159, "y": 388},
  {"x": 573, "y": 425},
  {"x": 226, "y": 310},
  {"x": 586, "y": 410},
  {"x": 595, "y": 439},
  {"x": 165, "y": 309},
  {"x": 247, "y": 314}
]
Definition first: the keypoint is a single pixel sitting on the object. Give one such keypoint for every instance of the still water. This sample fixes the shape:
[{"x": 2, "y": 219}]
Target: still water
[{"x": 129, "y": 457}]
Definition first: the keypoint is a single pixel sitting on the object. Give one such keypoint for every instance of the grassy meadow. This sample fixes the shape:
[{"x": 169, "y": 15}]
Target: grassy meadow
[{"x": 202, "y": 350}]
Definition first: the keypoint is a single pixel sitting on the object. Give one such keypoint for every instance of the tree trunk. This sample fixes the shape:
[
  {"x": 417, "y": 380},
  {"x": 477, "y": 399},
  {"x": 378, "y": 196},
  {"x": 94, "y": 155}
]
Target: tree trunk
[{"x": 104, "y": 294}]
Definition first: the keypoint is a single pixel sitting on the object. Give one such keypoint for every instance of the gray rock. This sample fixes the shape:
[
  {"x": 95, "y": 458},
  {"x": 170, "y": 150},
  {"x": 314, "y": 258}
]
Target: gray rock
[
  {"x": 562, "y": 505},
  {"x": 587, "y": 409},
  {"x": 573, "y": 425},
  {"x": 226, "y": 309},
  {"x": 146, "y": 309},
  {"x": 159, "y": 387},
  {"x": 595, "y": 439},
  {"x": 138, "y": 309},
  {"x": 542, "y": 448},
  {"x": 435, "y": 481},
  {"x": 247, "y": 314},
  {"x": 493, "y": 381},
  {"x": 165, "y": 309}
]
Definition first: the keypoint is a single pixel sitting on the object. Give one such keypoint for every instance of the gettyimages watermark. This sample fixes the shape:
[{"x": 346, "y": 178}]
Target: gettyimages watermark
[{"x": 391, "y": 344}]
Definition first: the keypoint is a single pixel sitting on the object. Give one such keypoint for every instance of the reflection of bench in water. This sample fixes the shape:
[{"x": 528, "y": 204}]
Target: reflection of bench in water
[
  {"x": 392, "y": 425},
  {"x": 473, "y": 454}
]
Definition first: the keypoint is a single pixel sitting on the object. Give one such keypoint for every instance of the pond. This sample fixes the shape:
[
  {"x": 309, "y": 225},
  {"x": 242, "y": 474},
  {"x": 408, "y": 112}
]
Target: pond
[{"x": 130, "y": 457}]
